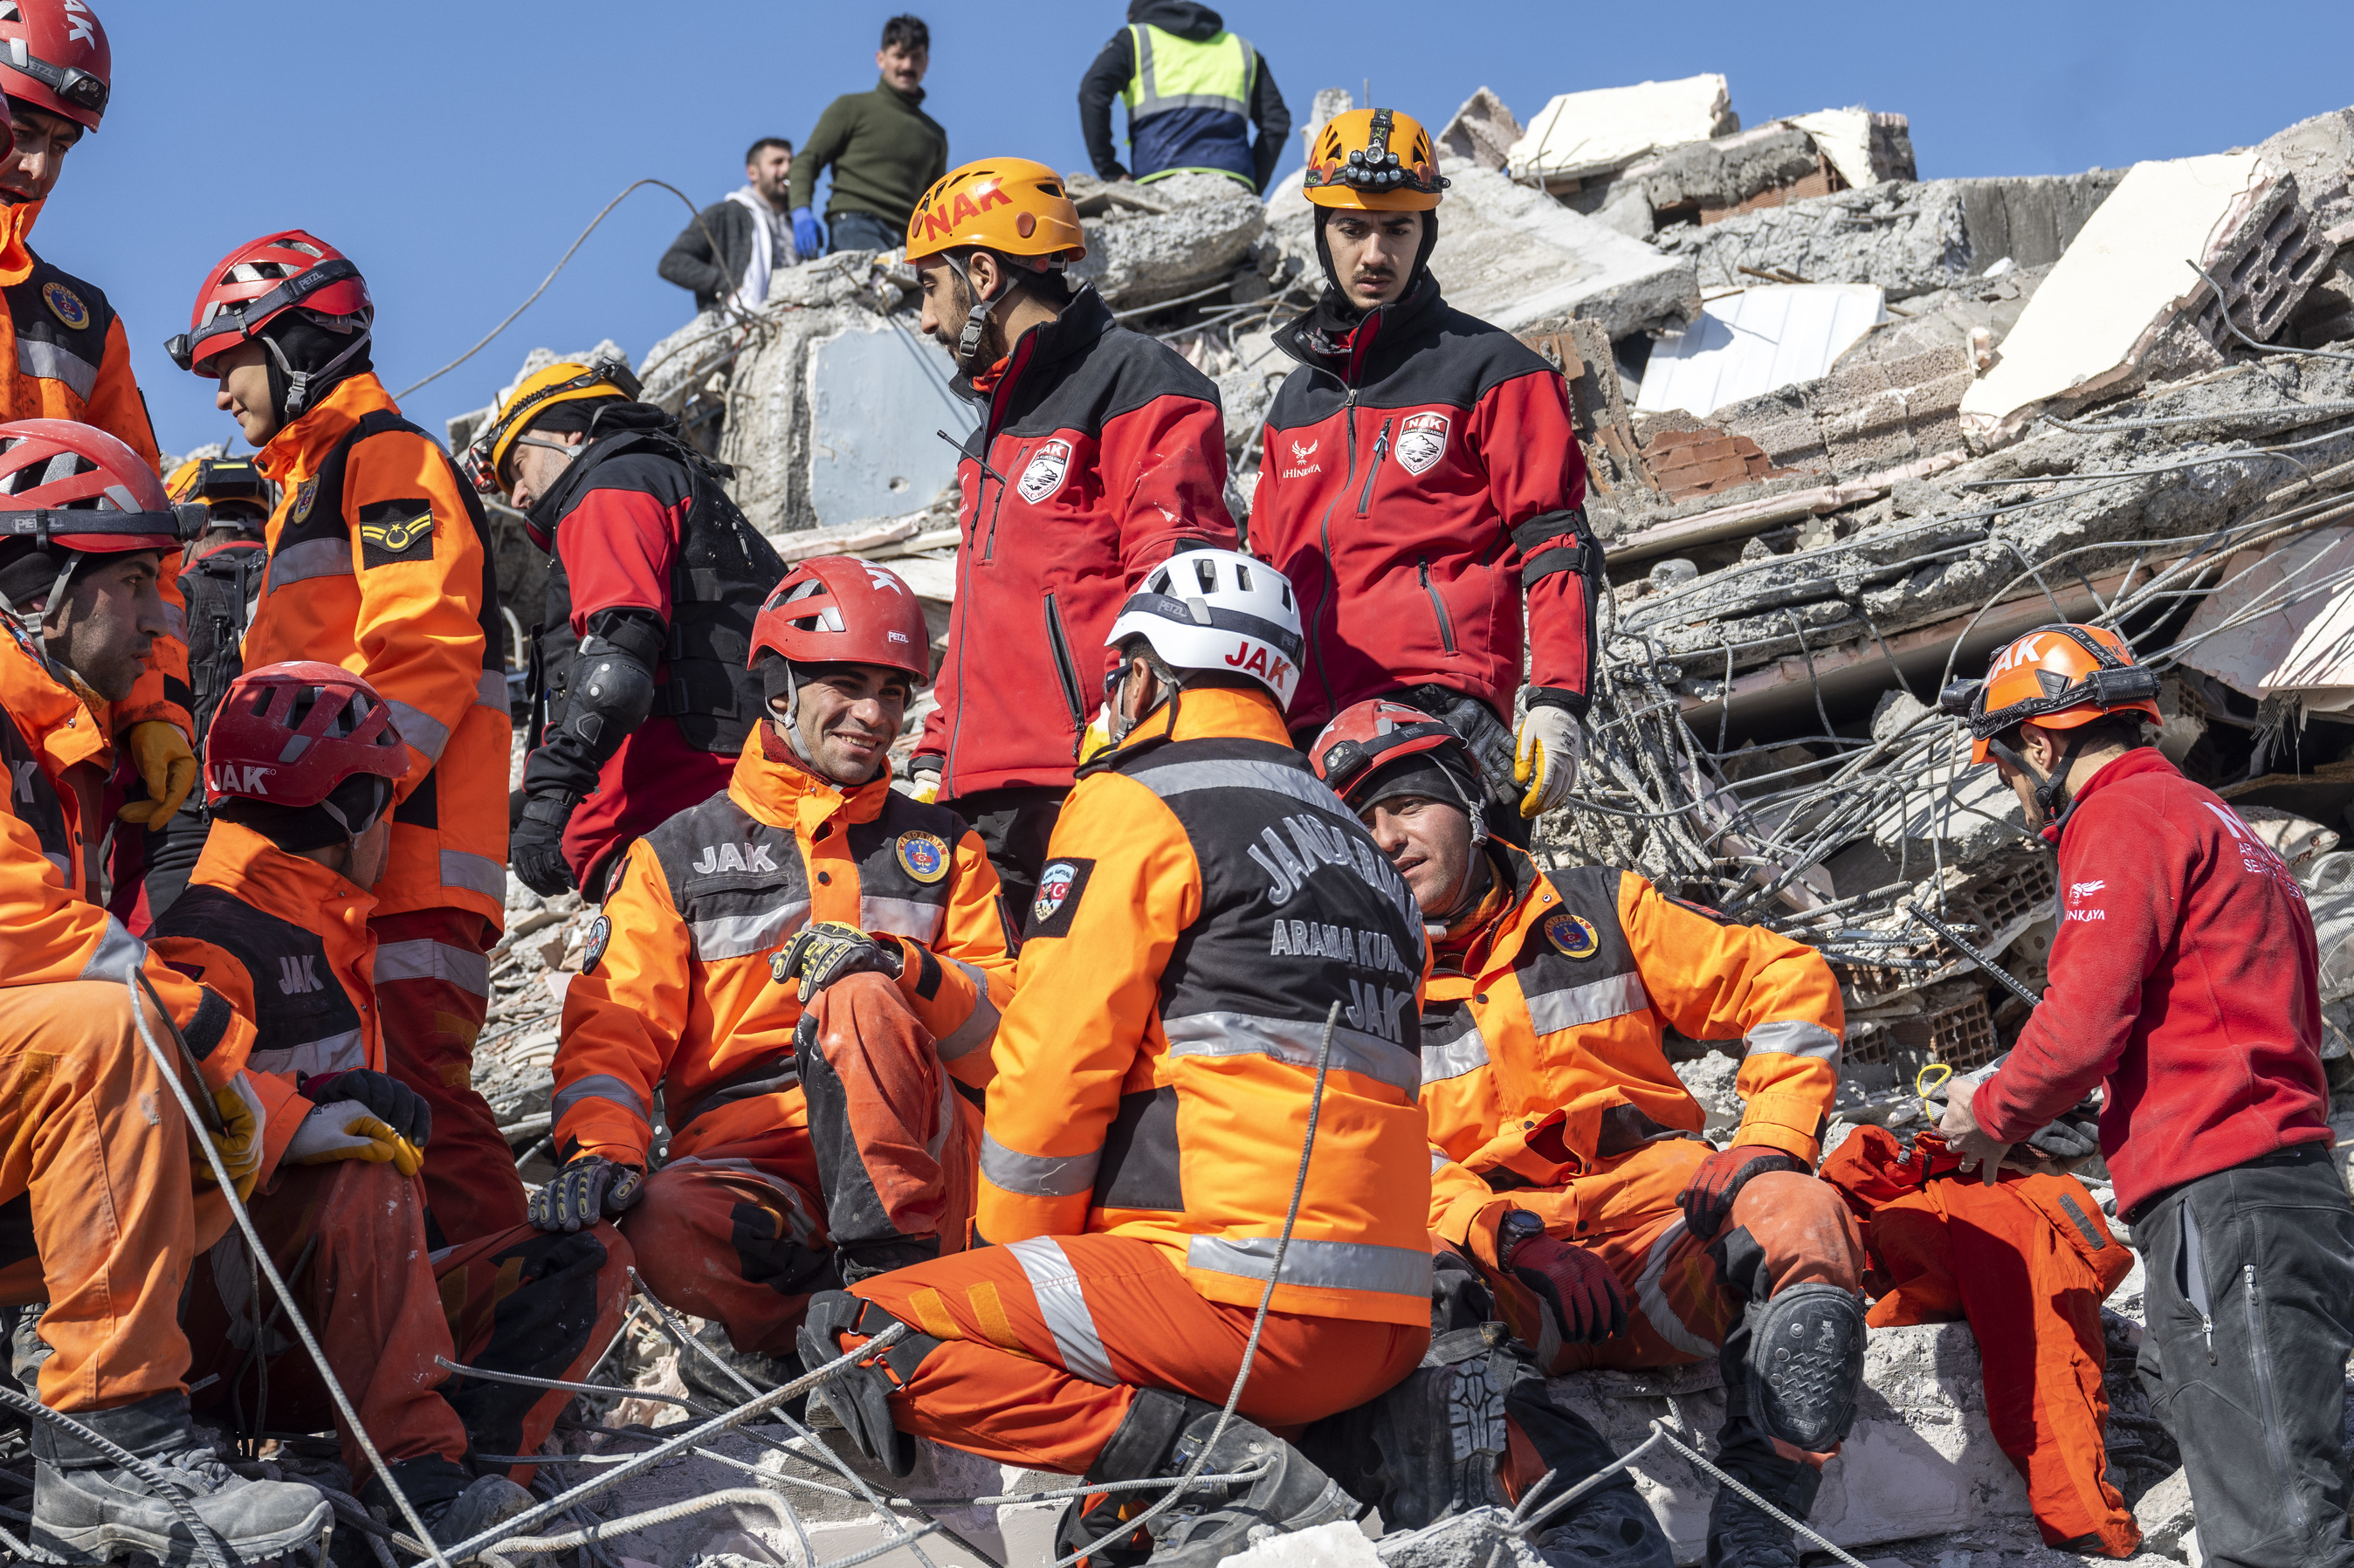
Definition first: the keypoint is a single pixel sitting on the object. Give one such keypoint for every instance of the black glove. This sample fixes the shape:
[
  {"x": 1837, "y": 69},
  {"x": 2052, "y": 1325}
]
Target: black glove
[
  {"x": 388, "y": 1099},
  {"x": 590, "y": 1188},
  {"x": 826, "y": 952},
  {"x": 1115, "y": 174},
  {"x": 535, "y": 845},
  {"x": 2074, "y": 1134}
]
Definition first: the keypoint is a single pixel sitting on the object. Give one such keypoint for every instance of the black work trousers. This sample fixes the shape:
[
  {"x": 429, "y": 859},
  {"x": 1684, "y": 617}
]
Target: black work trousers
[
  {"x": 2251, "y": 1309},
  {"x": 1014, "y": 825}
]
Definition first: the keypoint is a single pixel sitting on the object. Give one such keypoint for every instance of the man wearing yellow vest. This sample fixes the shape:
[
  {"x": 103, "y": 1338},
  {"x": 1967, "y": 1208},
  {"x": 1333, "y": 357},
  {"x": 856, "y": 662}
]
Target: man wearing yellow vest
[{"x": 1193, "y": 91}]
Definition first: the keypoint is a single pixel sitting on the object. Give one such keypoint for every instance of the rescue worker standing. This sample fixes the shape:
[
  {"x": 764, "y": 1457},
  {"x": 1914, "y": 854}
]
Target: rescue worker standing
[
  {"x": 641, "y": 701},
  {"x": 1193, "y": 93},
  {"x": 97, "y": 1145},
  {"x": 2184, "y": 983},
  {"x": 1100, "y": 452},
  {"x": 1566, "y": 1153},
  {"x": 808, "y": 967},
  {"x": 1422, "y": 483},
  {"x": 1155, "y": 1080},
  {"x": 68, "y": 357},
  {"x": 380, "y": 561},
  {"x": 300, "y": 766}
]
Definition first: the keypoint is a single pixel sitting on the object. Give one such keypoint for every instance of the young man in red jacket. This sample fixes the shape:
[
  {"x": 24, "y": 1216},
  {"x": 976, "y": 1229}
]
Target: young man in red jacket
[
  {"x": 1421, "y": 483},
  {"x": 2184, "y": 983},
  {"x": 1100, "y": 453}
]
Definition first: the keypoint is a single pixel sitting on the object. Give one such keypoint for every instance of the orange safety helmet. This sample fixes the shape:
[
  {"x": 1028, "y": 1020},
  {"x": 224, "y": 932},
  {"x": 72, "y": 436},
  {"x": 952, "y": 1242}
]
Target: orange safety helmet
[
  {"x": 2059, "y": 676},
  {"x": 1358, "y": 164},
  {"x": 1009, "y": 204}
]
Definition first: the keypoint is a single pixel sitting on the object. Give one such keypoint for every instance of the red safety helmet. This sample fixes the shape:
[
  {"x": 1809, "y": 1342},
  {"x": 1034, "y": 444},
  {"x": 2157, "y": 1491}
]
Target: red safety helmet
[
  {"x": 288, "y": 734},
  {"x": 261, "y": 281},
  {"x": 54, "y": 56},
  {"x": 74, "y": 487},
  {"x": 839, "y": 610},
  {"x": 1367, "y": 737}
]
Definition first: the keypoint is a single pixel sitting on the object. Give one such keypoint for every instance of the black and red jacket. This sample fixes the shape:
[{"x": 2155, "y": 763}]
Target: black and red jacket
[
  {"x": 2184, "y": 981},
  {"x": 1099, "y": 452},
  {"x": 1420, "y": 476}
]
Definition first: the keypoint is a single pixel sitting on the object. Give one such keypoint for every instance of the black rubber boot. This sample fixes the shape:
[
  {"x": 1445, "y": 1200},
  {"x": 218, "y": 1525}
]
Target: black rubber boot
[
  {"x": 715, "y": 1388},
  {"x": 1210, "y": 1524},
  {"x": 1741, "y": 1535},
  {"x": 1611, "y": 1526}
]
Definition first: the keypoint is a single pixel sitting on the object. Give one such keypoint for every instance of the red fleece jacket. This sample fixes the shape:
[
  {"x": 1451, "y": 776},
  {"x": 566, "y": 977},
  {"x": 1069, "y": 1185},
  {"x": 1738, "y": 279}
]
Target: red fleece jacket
[{"x": 2184, "y": 981}]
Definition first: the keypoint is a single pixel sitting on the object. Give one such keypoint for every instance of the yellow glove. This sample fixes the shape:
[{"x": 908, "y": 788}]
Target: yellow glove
[
  {"x": 1098, "y": 738},
  {"x": 168, "y": 764},
  {"x": 1546, "y": 757},
  {"x": 920, "y": 780},
  {"x": 240, "y": 1139},
  {"x": 347, "y": 1130}
]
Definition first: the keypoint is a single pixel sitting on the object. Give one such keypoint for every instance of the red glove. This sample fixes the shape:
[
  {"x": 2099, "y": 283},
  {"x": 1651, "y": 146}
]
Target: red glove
[
  {"x": 1707, "y": 1198},
  {"x": 1586, "y": 1297}
]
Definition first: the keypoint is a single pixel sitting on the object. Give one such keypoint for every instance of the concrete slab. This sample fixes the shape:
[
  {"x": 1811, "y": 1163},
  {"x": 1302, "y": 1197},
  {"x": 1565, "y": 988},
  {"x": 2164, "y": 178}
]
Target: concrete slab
[
  {"x": 1517, "y": 258},
  {"x": 2306, "y": 646},
  {"x": 876, "y": 399},
  {"x": 1581, "y": 134},
  {"x": 1754, "y": 341}
]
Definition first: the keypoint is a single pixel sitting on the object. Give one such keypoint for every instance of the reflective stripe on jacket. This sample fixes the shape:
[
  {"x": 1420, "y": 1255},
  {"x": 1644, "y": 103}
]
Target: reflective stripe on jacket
[
  {"x": 1189, "y": 103},
  {"x": 1205, "y": 901},
  {"x": 681, "y": 998},
  {"x": 392, "y": 580},
  {"x": 1557, "y": 1017},
  {"x": 56, "y": 757}
]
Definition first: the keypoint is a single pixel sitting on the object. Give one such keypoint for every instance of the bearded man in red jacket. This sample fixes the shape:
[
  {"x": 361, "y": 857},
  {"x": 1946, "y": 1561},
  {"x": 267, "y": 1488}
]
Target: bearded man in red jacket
[{"x": 2185, "y": 984}]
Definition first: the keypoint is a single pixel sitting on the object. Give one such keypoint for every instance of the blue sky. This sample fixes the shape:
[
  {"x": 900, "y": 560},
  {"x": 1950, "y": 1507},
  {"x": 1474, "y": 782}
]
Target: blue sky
[{"x": 455, "y": 149}]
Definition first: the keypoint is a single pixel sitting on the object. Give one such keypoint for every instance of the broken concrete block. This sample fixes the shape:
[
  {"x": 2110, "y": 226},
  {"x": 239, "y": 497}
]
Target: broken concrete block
[
  {"x": 1204, "y": 231},
  {"x": 1340, "y": 1545},
  {"x": 1482, "y": 130},
  {"x": 1712, "y": 1082},
  {"x": 2304, "y": 646},
  {"x": 1865, "y": 415},
  {"x": 2168, "y": 1524},
  {"x": 1754, "y": 341},
  {"x": 1475, "y": 1540},
  {"x": 1592, "y": 132},
  {"x": 1518, "y": 259},
  {"x": 1685, "y": 463},
  {"x": 1864, "y": 147}
]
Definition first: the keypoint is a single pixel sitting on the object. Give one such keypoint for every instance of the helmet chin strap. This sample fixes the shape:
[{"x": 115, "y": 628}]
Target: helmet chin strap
[
  {"x": 2051, "y": 793},
  {"x": 297, "y": 382},
  {"x": 979, "y": 311}
]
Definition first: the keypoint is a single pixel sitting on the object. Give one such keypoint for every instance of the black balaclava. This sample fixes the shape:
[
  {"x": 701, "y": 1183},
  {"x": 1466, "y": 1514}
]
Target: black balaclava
[
  {"x": 361, "y": 799},
  {"x": 311, "y": 347},
  {"x": 1333, "y": 314}
]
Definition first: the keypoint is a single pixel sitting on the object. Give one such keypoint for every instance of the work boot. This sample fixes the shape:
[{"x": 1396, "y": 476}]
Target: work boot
[
  {"x": 1611, "y": 1527},
  {"x": 864, "y": 1260},
  {"x": 88, "y": 1509},
  {"x": 491, "y": 1499},
  {"x": 455, "y": 1504},
  {"x": 712, "y": 1387},
  {"x": 1210, "y": 1524}
]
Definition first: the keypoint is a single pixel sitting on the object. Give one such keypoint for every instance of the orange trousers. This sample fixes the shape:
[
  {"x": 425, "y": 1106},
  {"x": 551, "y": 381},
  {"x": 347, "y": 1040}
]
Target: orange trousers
[
  {"x": 349, "y": 1237},
  {"x": 432, "y": 993},
  {"x": 874, "y": 1145},
  {"x": 1046, "y": 1342},
  {"x": 2027, "y": 1263}
]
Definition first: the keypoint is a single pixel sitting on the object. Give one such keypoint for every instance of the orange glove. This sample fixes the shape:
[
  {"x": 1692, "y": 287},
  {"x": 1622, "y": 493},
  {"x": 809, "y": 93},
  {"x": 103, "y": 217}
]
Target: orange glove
[{"x": 167, "y": 762}]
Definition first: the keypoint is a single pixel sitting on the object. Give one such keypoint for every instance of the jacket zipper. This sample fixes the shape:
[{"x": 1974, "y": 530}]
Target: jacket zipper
[
  {"x": 1324, "y": 538},
  {"x": 1067, "y": 670},
  {"x": 1437, "y": 605},
  {"x": 988, "y": 548},
  {"x": 2260, "y": 1352},
  {"x": 1373, "y": 468}
]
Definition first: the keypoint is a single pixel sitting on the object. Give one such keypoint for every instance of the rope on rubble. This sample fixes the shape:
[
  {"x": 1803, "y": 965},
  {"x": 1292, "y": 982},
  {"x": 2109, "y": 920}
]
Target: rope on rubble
[
  {"x": 135, "y": 981},
  {"x": 1192, "y": 1475}
]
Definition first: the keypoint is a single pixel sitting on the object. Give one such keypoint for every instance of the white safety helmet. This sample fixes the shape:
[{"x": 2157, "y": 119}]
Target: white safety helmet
[{"x": 1221, "y": 611}]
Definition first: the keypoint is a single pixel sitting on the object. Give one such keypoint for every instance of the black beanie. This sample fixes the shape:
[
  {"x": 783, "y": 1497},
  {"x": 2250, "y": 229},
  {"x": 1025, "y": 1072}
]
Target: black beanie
[
  {"x": 310, "y": 346},
  {"x": 362, "y": 799},
  {"x": 1434, "y": 775}
]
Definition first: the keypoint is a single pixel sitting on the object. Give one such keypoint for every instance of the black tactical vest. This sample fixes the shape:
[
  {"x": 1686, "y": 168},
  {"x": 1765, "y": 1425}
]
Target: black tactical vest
[{"x": 220, "y": 591}]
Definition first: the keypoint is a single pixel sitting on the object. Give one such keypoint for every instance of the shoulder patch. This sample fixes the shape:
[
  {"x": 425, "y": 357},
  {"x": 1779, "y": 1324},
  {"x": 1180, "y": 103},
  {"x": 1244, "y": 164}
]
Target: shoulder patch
[
  {"x": 600, "y": 933},
  {"x": 924, "y": 856},
  {"x": 305, "y": 494},
  {"x": 1572, "y": 936},
  {"x": 66, "y": 305},
  {"x": 394, "y": 531},
  {"x": 1060, "y": 886},
  {"x": 1422, "y": 441}
]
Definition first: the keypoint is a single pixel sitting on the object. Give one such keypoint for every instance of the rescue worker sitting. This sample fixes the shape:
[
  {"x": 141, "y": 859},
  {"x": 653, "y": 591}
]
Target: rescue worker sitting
[
  {"x": 1566, "y": 1153},
  {"x": 302, "y": 759},
  {"x": 96, "y": 1145},
  {"x": 1155, "y": 1077},
  {"x": 810, "y": 967},
  {"x": 639, "y": 703}
]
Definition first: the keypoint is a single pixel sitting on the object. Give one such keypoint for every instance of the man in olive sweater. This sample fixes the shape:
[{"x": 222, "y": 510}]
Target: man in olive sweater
[{"x": 884, "y": 151}]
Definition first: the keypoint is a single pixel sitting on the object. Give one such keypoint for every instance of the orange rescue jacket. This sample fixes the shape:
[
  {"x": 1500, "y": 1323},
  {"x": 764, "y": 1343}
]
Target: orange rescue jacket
[
  {"x": 390, "y": 576},
  {"x": 1205, "y": 901},
  {"x": 52, "y": 929},
  {"x": 1554, "y": 1018},
  {"x": 680, "y": 997}
]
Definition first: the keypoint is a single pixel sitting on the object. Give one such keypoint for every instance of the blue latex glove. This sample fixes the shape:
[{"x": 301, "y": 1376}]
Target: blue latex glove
[{"x": 809, "y": 234}]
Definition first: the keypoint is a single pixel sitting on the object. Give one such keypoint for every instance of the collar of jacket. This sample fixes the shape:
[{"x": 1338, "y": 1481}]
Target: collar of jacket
[
  {"x": 17, "y": 242},
  {"x": 1045, "y": 349},
  {"x": 300, "y": 892},
  {"x": 48, "y": 711},
  {"x": 296, "y": 451},
  {"x": 2141, "y": 759},
  {"x": 784, "y": 794},
  {"x": 1478, "y": 948},
  {"x": 1205, "y": 712},
  {"x": 1395, "y": 326}
]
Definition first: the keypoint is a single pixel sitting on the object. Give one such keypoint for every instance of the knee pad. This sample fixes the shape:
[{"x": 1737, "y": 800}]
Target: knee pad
[
  {"x": 861, "y": 1395},
  {"x": 1806, "y": 1352}
]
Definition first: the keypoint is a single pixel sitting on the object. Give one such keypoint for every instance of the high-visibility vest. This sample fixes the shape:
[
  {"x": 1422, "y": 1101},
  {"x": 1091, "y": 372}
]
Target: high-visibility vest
[{"x": 1189, "y": 104}]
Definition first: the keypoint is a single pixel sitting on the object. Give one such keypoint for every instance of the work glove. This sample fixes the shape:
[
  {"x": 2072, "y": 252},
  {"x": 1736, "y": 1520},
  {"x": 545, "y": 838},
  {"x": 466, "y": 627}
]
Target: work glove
[
  {"x": 823, "y": 953},
  {"x": 588, "y": 1188},
  {"x": 535, "y": 845},
  {"x": 1112, "y": 172},
  {"x": 921, "y": 780},
  {"x": 1096, "y": 740},
  {"x": 809, "y": 235},
  {"x": 240, "y": 1138},
  {"x": 361, "y": 1114},
  {"x": 1707, "y": 1197},
  {"x": 381, "y": 1094},
  {"x": 1545, "y": 755},
  {"x": 1584, "y": 1295},
  {"x": 167, "y": 762}
]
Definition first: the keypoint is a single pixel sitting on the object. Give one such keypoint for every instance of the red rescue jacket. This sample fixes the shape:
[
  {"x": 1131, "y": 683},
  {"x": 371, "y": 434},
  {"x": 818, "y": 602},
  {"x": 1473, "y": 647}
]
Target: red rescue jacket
[
  {"x": 2184, "y": 981},
  {"x": 1420, "y": 478},
  {"x": 1100, "y": 453}
]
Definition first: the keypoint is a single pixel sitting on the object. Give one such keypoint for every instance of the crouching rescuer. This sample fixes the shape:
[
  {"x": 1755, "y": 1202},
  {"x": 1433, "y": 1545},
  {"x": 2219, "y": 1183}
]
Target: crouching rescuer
[
  {"x": 1156, "y": 1077},
  {"x": 1566, "y": 1154},
  {"x": 811, "y": 968}
]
